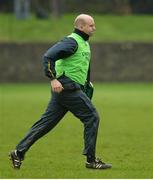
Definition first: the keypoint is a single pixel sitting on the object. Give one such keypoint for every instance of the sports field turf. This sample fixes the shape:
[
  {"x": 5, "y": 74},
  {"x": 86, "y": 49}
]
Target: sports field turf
[{"x": 125, "y": 135}]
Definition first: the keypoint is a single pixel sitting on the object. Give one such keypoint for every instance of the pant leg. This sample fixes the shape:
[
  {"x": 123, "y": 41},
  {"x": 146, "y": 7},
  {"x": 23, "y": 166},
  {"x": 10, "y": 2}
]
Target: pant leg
[
  {"x": 53, "y": 114},
  {"x": 81, "y": 106}
]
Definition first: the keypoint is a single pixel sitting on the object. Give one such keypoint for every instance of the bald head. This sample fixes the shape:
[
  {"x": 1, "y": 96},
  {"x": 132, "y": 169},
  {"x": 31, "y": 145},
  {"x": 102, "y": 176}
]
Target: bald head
[
  {"x": 85, "y": 23},
  {"x": 81, "y": 20}
]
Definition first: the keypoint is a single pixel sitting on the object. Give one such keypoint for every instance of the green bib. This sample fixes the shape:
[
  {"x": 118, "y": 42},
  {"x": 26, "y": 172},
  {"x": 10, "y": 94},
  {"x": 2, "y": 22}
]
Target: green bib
[{"x": 76, "y": 66}]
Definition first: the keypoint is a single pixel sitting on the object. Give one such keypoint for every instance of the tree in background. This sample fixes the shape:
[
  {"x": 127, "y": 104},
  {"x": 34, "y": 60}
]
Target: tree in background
[
  {"x": 22, "y": 8},
  {"x": 56, "y": 9},
  {"x": 121, "y": 6},
  {"x": 40, "y": 9},
  {"x": 141, "y": 6}
]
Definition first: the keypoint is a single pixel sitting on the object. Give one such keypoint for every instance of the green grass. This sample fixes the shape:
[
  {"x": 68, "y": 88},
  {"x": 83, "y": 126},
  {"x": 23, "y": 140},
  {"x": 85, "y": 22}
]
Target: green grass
[
  {"x": 125, "y": 134},
  {"x": 109, "y": 28}
]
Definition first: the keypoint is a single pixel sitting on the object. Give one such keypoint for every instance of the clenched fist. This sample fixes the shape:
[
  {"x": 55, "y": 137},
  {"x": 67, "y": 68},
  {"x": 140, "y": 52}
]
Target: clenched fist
[{"x": 56, "y": 86}]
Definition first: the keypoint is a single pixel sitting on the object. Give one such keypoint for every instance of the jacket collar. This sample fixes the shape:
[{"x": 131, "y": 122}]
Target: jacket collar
[{"x": 82, "y": 34}]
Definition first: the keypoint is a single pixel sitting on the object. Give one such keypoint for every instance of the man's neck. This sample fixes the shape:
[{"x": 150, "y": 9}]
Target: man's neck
[{"x": 82, "y": 34}]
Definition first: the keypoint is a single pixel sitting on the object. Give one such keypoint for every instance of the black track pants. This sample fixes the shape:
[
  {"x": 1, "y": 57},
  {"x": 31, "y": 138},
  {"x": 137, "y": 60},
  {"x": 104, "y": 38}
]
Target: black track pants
[{"x": 74, "y": 101}]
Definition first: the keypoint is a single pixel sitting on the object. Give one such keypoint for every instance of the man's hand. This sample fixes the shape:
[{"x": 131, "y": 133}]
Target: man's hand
[{"x": 56, "y": 86}]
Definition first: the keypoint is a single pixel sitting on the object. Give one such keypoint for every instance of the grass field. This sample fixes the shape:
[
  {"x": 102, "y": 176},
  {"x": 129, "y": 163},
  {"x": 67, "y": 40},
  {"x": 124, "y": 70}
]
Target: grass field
[
  {"x": 109, "y": 28},
  {"x": 125, "y": 135}
]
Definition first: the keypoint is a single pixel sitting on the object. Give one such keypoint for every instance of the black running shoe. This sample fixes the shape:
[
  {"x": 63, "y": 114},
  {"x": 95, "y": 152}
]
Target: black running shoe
[
  {"x": 16, "y": 160},
  {"x": 98, "y": 164}
]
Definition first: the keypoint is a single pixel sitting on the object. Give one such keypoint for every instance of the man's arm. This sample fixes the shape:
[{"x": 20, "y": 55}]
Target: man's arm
[{"x": 61, "y": 50}]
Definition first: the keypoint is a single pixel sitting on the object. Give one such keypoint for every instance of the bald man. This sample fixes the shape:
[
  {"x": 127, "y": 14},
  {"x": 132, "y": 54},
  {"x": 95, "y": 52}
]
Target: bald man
[{"x": 66, "y": 64}]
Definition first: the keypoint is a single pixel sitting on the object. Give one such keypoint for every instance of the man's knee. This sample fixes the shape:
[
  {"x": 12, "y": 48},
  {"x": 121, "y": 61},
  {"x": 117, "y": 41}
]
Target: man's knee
[
  {"x": 96, "y": 118},
  {"x": 92, "y": 120}
]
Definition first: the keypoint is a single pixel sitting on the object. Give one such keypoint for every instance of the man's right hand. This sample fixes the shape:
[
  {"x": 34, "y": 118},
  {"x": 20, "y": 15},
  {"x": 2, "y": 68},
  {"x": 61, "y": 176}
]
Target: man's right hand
[{"x": 56, "y": 86}]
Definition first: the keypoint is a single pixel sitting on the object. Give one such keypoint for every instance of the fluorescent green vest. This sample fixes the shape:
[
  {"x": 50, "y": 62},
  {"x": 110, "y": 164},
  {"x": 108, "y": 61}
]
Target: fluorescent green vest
[{"x": 76, "y": 66}]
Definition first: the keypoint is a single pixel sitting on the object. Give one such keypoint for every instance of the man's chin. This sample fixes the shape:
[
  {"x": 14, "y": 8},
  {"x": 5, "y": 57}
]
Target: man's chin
[{"x": 91, "y": 34}]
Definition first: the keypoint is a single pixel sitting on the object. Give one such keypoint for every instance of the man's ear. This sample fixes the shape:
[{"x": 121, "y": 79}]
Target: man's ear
[{"x": 81, "y": 27}]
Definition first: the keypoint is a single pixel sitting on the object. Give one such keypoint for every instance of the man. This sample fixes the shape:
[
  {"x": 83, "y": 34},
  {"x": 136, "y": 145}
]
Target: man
[{"x": 67, "y": 65}]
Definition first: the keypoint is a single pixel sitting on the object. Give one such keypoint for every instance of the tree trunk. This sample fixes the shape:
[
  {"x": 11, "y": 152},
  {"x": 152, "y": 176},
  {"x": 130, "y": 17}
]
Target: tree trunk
[
  {"x": 122, "y": 6},
  {"x": 56, "y": 8},
  {"x": 22, "y": 8}
]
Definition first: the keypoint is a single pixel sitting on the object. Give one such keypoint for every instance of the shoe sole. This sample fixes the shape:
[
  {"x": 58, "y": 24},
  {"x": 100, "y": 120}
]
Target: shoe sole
[
  {"x": 104, "y": 168},
  {"x": 99, "y": 168}
]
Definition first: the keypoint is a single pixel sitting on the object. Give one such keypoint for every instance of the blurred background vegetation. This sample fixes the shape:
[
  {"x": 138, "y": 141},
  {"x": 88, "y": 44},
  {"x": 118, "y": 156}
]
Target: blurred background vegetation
[
  {"x": 122, "y": 45},
  {"x": 121, "y": 7},
  {"x": 116, "y": 20}
]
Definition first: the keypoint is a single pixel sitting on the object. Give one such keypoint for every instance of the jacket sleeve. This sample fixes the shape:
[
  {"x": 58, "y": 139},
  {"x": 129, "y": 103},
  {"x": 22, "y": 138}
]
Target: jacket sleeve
[{"x": 61, "y": 50}]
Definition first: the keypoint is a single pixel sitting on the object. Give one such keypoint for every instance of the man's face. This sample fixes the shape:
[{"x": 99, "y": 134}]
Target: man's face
[{"x": 89, "y": 27}]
